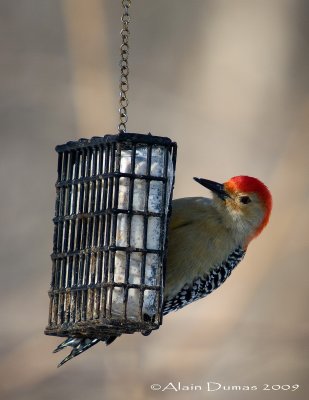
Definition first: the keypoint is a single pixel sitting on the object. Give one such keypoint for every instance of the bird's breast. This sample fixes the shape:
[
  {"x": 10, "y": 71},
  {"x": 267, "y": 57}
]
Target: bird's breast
[{"x": 194, "y": 250}]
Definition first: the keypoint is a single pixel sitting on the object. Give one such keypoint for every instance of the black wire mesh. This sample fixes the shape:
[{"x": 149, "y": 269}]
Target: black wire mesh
[{"x": 110, "y": 240}]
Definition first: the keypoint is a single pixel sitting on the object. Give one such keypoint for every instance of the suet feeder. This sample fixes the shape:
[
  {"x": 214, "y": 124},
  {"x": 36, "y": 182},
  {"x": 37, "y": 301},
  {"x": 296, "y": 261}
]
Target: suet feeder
[{"x": 113, "y": 203}]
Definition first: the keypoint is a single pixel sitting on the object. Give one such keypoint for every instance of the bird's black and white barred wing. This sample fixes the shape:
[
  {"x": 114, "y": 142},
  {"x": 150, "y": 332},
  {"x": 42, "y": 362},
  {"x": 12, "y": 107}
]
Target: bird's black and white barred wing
[{"x": 201, "y": 287}]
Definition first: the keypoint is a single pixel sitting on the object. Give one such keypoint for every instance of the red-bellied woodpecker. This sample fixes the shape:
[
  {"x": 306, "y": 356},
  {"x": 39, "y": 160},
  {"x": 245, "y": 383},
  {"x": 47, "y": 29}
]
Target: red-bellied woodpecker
[{"x": 207, "y": 239}]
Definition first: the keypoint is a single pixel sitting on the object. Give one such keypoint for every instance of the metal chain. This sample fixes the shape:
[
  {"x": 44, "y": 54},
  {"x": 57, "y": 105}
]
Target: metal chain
[{"x": 124, "y": 67}]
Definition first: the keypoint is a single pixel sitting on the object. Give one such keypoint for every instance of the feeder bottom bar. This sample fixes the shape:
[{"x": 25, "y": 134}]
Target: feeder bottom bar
[{"x": 100, "y": 329}]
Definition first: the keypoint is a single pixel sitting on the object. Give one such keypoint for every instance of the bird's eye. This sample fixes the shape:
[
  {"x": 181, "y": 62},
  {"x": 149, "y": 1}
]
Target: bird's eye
[{"x": 245, "y": 199}]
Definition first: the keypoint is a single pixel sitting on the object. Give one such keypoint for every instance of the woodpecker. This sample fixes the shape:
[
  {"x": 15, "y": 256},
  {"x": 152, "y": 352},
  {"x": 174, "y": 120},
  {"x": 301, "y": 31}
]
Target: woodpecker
[{"x": 208, "y": 237}]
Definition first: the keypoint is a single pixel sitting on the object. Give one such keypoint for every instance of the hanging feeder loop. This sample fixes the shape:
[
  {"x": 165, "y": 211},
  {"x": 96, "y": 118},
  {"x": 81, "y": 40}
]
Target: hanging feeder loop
[{"x": 124, "y": 67}]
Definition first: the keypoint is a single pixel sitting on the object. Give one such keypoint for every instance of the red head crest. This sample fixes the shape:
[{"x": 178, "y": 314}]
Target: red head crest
[{"x": 248, "y": 184}]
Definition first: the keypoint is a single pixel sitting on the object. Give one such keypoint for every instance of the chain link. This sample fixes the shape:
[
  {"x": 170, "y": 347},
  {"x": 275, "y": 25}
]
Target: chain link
[{"x": 124, "y": 67}]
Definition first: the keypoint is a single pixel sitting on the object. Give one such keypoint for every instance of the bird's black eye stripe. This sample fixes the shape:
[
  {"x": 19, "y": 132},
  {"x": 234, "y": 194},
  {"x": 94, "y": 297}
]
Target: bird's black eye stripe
[{"x": 245, "y": 199}]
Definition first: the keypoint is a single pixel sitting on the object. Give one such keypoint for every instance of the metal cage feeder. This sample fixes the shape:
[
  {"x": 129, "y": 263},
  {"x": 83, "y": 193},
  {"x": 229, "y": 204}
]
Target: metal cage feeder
[{"x": 113, "y": 205}]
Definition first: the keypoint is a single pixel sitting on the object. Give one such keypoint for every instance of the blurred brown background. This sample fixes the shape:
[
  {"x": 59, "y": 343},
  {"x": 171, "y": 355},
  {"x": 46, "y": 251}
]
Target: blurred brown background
[{"x": 228, "y": 80}]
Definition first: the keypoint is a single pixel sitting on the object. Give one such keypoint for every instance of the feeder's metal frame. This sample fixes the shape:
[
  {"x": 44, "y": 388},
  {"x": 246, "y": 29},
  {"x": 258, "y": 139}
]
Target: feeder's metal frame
[{"x": 78, "y": 322}]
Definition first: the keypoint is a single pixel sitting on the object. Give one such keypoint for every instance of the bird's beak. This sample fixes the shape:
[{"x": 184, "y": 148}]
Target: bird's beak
[{"x": 217, "y": 188}]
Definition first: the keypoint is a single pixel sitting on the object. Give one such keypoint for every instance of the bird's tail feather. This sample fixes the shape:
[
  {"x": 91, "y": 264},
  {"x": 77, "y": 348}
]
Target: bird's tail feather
[{"x": 79, "y": 345}]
